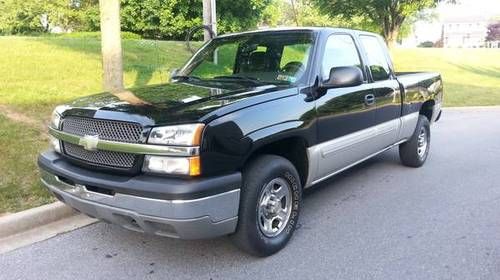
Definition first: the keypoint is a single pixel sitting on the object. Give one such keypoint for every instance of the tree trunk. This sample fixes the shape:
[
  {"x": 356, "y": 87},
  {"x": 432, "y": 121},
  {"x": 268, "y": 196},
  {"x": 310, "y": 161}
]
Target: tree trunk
[
  {"x": 392, "y": 19},
  {"x": 391, "y": 28},
  {"x": 111, "y": 46},
  {"x": 295, "y": 13},
  {"x": 391, "y": 38}
]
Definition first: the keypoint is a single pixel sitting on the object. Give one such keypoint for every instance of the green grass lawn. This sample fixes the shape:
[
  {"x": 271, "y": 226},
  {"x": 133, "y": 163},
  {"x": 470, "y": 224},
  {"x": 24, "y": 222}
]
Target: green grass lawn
[
  {"x": 19, "y": 180},
  {"x": 471, "y": 76},
  {"x": 38, "y": 73}
]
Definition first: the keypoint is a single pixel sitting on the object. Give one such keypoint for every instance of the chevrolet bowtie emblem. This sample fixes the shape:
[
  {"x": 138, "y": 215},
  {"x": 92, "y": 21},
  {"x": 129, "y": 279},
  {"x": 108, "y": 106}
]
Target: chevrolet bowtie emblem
[{"x": 89, "y": 142}]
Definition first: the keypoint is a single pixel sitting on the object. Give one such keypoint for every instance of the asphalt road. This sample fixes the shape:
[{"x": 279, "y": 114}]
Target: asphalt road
[{"x": 379, "y": 220}]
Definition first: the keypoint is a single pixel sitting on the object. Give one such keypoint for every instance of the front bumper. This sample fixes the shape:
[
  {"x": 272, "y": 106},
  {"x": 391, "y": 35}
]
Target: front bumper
[{"x": 204, "y": 209}]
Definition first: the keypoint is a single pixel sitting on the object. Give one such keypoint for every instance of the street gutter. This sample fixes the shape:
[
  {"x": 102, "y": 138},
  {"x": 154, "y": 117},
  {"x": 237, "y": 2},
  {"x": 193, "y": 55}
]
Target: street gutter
[{"x": 38, "y": 224}]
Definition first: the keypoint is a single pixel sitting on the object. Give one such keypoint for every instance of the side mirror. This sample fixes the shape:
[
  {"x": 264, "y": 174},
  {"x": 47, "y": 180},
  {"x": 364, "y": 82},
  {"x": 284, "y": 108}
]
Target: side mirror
[{"x": 345, "y": 76}]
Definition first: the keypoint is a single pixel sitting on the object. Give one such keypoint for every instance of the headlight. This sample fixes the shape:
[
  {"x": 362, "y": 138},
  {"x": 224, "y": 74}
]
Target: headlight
[
  {"x": 180, "y": 135},
  {"x": 55, "y": 120},
  {"x": 172, "y": 165}
]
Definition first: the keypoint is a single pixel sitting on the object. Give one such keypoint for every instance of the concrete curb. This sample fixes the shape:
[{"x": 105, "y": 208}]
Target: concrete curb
[
  {"x": 44, "y": 232},
  {"x": 37, "y": 224},
  {"x": 32, "y": 218}
]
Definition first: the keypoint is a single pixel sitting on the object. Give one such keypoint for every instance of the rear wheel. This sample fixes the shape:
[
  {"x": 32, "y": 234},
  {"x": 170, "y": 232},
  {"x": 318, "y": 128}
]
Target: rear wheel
[
  {"x": 414, "y": 152},
  {"x": 269, "y": 205}
]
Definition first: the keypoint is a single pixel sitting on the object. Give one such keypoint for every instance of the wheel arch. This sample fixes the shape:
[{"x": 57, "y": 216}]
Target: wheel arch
[
  {"x": 293, "y": 147},
  {"x": 427, "y": 109}
]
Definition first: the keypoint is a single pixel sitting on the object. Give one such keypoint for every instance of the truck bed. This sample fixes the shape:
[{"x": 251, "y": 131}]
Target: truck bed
[{"x": 420, "y": 87}]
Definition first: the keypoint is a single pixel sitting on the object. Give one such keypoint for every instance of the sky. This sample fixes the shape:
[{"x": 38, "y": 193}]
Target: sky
[{"x": 486, "y": 8}]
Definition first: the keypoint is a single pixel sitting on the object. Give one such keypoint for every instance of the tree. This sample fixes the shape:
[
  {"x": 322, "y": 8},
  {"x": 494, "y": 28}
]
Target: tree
[
  {"x": 272, "y": 15},
  {"x": 35, "y": 16},
  {"x": 493, "y": 32},
  {"x": 111, "y": 46},
  {"x": 304, "y": 13},
  {"x": 170, "y": 19},
  {"x": 388, "y": 14},
  {"x": 22, "y": 17},
  {"x": 426, "y": 15},
  {"x": 166, "y": 19}
]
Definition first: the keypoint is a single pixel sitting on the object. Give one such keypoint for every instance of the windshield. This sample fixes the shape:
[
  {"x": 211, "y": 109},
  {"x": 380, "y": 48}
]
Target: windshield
[{"x": 259, "y": 58}]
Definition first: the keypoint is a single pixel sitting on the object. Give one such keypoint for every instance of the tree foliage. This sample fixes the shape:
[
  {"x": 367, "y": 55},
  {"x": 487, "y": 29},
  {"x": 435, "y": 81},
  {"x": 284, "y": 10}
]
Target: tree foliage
[
  {"x": 21, "y": 17},
  {"x": 172, "y": 18},
  {"x": 31, "y": 16},
  {"x": 168, "y": 19},
  {"x": 305, "y": 13},
  {"x": 426, "y": 15},
  {"x": 493, "y": 32},
  {"x": 389, "y": 15}
]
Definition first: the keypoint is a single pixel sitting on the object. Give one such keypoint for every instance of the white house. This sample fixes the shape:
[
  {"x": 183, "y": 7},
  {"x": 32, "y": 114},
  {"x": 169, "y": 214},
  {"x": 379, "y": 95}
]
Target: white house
[{"x": 465, "y": 32}]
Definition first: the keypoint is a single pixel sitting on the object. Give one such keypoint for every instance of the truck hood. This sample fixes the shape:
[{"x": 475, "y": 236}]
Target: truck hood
[{"x": 174, "y": 103}]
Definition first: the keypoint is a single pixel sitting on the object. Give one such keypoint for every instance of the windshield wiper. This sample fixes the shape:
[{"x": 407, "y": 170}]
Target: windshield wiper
[
  {"x": 186, "y": 78},
  {"x": 241, "y": 78}
]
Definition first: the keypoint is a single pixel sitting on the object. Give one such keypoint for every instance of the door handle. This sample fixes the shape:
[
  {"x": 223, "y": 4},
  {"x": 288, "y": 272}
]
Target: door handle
[{"x": 369, "y": 99}]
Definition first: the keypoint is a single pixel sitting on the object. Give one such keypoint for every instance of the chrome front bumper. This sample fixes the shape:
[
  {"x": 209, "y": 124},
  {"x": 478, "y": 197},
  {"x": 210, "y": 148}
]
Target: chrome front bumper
[{"x": 200, "y": 218}]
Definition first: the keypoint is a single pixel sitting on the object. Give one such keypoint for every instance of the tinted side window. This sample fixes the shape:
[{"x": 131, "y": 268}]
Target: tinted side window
[
  {"x": 376, "y": 58},
  {"x": 340, "y": 50}
]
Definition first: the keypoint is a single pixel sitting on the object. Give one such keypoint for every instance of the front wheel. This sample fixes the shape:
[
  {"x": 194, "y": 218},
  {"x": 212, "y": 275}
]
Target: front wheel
[
  {"x": 414, "y": 152},
  {"x": 270, "y": 203}
]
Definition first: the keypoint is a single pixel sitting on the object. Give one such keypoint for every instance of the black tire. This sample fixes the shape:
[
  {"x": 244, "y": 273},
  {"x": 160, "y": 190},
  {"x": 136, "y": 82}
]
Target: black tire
[
  {"x": 409, "y": 151},
  {"x": 256, "y": 176}
]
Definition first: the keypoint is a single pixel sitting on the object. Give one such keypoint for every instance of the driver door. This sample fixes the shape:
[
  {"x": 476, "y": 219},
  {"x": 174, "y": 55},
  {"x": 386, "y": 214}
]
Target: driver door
[{"x": 345, "y": 115}]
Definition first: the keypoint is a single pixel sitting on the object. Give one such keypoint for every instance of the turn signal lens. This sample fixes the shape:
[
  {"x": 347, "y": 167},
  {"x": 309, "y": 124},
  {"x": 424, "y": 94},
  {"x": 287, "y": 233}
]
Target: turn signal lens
[{"x": 194, "y": 166}]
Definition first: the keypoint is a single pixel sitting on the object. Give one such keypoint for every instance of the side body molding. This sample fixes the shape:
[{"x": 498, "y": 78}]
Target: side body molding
[{"x": 329, "y": 158}]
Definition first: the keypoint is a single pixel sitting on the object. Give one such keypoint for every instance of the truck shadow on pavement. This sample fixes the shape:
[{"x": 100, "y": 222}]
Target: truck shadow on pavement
[
  {"x": 341, "y": 188},
  {"x": 122, "y": 254}
]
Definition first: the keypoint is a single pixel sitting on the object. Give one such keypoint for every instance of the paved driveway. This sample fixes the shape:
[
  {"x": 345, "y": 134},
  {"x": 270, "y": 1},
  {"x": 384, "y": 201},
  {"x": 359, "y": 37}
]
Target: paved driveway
[{"x": 376, "y": 221}]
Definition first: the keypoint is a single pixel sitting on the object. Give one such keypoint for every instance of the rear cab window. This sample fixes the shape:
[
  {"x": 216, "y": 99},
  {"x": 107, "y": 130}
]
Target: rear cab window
[{"x": 376, "y": 58}]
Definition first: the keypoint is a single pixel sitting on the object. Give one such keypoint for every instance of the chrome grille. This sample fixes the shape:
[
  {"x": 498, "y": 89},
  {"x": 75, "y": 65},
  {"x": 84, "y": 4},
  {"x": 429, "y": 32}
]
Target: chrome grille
[
  {"x": 100, "y": 158},
  {"x": 107, "y": 130}
]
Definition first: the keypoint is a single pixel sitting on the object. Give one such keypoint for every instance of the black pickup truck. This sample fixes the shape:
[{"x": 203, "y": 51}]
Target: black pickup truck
[{"x": 229, "y": 145}]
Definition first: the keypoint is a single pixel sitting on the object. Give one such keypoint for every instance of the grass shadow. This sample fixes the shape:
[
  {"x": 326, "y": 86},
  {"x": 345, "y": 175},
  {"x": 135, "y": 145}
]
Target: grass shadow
[{"x": 492, "y": 72}]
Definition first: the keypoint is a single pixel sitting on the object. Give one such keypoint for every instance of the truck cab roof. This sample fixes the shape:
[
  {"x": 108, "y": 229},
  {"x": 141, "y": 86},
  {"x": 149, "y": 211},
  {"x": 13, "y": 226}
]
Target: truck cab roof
[{"x": 315, "y": 29}]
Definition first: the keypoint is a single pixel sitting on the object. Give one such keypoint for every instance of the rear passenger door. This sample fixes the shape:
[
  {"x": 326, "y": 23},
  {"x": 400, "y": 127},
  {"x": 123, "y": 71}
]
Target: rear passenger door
[
  {"x": 344, "y": 116},
  {"x": 385, "y": 89}
]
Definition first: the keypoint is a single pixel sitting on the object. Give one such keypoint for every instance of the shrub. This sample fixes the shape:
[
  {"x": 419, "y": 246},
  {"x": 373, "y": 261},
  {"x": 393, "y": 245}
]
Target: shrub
[{"x": 426, "y": 44}]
